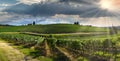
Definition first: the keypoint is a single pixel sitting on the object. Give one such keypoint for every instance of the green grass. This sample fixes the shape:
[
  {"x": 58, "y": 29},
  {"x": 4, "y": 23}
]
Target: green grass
[
  {"x": 2, "y": 56},
  {"x": 27, "y": 52},
  {"x": 82, "y": 59},
  {"x": 91, "y": 36},
  {"x": 51, "y": 28},
  {"x": 42, "y": 58},
  {"x": 118, "y": 59}
]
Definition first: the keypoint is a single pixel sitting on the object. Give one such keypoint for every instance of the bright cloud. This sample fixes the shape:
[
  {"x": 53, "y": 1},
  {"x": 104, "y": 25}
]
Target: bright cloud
[
  {"x": 29, "y": 2},
  {"x": 95, "y": 21},
  {"x": 5, "y": 4}
]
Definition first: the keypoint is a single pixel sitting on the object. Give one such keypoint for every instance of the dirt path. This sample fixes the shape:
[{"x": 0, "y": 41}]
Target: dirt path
[
  {"x": 13, "y": 54},
  {"x": 78, "y": 33},
  {"x": 65, "y": 52}
]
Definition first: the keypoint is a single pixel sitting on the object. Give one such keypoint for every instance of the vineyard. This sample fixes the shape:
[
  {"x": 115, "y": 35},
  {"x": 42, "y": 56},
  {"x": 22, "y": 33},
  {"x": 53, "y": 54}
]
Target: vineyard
[{"x": 102, "y": 49}]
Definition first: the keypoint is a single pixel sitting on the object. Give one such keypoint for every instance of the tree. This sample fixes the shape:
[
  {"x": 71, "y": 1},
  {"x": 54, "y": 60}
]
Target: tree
[
  {"x": 34, "y": 23},
  {"x": 76, "y": 23}
]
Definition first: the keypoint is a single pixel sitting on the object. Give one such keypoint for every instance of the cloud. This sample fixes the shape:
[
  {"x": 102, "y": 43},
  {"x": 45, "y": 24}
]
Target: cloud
[
  {"x": 29, "y": 2},
  {"x": 8, "y": 1},
  {"x": 88, "y": 2},
  {"x": 5, "y": 5},
  {"x": 56, "y": 11},
  {"x": 4, "y": 18},
  {"x": 8, "y": 18},
  {"x": 51, "y": 9},
  {"x": 100, "y": 21}
]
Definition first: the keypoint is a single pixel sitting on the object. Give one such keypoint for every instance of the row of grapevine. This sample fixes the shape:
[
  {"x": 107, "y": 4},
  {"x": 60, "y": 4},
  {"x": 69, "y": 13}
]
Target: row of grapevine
[
  {"x": 85, "y": 48},
  {"x": 109, "y": 47},
  {"x": 21, "y": 39}
]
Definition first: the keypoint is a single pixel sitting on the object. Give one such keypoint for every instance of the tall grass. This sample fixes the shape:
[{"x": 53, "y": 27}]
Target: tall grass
[{"x": 2, "y": 56}]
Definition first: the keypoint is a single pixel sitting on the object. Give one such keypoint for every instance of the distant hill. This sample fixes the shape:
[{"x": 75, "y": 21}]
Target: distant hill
[
  {"x": 52, "y": 28},
  {"x": 118, "y": 27},
  {"x": 5, "y": 25}
]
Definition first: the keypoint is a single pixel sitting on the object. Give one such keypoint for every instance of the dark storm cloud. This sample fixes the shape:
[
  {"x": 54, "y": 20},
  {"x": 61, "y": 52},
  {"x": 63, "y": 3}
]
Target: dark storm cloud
[
  {"x": 43, "y": 9},
  {"x": 55, "y": 8},
  {"x": 80, "y": 1},
  {"x": 75, "y": 1},
  {"x": 8, "y": 1}
]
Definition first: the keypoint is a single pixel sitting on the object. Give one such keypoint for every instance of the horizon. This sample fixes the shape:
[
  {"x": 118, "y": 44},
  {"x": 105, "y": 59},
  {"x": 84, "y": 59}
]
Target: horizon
[{"x": 55, "y": 24}]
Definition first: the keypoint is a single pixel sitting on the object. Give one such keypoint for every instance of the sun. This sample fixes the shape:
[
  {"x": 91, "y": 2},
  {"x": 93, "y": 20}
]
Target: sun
[
  {"x": 110, "y": 5},
  {"x": 106, "y": 4}
]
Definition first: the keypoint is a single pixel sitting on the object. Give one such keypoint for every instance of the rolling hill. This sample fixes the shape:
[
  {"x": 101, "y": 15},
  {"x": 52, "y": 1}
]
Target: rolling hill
[{"x": 52, "y": 28}]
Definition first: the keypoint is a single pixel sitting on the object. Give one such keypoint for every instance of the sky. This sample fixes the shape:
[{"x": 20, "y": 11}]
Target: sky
[{"x": 87, "y": 12}]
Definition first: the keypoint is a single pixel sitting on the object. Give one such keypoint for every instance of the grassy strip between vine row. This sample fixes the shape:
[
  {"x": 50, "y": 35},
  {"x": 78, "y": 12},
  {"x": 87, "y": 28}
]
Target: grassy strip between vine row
[{"x": 2, "y": 56}]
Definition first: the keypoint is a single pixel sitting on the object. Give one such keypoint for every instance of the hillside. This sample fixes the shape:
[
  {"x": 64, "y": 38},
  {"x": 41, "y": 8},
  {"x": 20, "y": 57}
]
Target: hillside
[{"x": 51, "y": 28}]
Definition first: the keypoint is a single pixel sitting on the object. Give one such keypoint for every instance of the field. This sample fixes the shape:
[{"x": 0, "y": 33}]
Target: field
[
  {"x": 52, "y": 28},
  {"x": 63, "y": 42}
]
